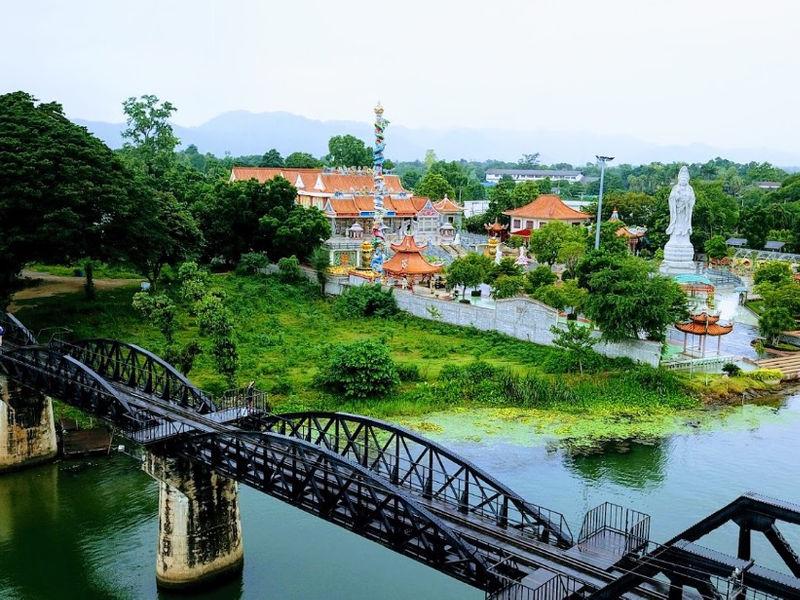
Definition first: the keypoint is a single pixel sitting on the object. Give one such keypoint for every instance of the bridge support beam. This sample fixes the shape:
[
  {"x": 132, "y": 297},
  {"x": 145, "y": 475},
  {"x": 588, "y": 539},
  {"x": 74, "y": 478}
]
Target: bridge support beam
[
  {"x": 199, "y": 529},
  {"x": 27, "y": 429}
]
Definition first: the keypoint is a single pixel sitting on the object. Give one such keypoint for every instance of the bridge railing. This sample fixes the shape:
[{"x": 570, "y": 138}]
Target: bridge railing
[
  {"x": 427, "y": 469},
  {"x": 248, "y": 398},
  {"x": 15, "y": 331},
  {"x": 632, "y": 524},
  {"x": 558, "y": 587}
]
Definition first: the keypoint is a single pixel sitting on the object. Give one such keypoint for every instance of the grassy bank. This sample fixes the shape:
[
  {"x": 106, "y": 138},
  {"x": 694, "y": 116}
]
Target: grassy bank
[{"x": 283, "y": 333}]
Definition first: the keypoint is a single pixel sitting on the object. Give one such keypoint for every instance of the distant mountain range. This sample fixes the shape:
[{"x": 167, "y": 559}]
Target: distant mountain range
[{"x": 242, "y": 132}]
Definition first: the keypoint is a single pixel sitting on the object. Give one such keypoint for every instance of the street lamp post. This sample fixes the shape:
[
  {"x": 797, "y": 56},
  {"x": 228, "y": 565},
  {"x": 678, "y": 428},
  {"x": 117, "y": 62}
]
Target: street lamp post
[{"x": 602, "y": 160}]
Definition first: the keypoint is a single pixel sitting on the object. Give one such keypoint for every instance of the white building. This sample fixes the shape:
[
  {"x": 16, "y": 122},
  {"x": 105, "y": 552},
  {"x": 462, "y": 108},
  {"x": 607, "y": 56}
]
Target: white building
[{"x": 494, "y": 175}]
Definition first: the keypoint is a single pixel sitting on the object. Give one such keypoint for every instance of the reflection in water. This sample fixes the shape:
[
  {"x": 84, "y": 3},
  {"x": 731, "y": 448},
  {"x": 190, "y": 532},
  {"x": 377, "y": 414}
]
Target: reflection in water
[{"x": 631, "y": 464}]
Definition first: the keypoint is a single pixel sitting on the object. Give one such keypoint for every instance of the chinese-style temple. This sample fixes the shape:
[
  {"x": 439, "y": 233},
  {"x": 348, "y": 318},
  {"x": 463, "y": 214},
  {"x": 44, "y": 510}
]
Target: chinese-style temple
[
  {"x": 633, "y": 234},
  {"x": 408, "y": 266},
  {"x": 347, "y": 197},
  {"x": 538, "y": 213}
]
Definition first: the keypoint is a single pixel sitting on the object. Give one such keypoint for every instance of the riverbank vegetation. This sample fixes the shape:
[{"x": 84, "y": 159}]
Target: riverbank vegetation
[{"x": 285, "y": 334}]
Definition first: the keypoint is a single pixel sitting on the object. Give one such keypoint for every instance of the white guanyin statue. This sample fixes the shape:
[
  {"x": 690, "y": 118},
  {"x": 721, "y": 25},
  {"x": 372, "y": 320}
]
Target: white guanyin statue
[{"x": 679, "y": 252}]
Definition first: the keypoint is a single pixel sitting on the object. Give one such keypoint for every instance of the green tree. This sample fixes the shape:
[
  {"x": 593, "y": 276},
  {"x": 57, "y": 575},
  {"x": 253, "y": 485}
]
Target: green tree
[
  {"x": 301, "y": 160},
  {"x": 563, "y": 296},
  {"x": 60, "y": 189},
  {"x": 547, "y": 241},
  {"x": 215, "y": 322},
  {"x": 539, "y": 277},
  {"x": 469, "y": 271},
  {"x": 159, "y": 310},
  {"x": 348, "y": 151},
  {"x": 525, "y": 192},
  {"x": 434, "y": 186},
  {"x": 773, "y": 271},
  {"x": 501, "y": 198},
  {"x": 507, "y": 266},
  {"x": 320, "y": 261},
  {"x": 774, "y": 321},
  {"x": 716, "y": 248},
  {"x": 359, "y": 370},
  {"x": 507, "y": 286},
  {"x": 155, "y": 231},
  {"x": 271, "y": 158},
  {"x": 150, "y": 140},
  {"x": 569, "y": 255},
  {"x": 626, "y": 298},
  {"x": 576, "y": 339}
]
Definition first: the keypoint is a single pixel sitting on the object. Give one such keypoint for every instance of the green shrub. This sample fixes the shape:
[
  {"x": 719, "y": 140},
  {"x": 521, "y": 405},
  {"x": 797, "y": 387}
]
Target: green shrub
[
  {"x": 765, "y": 374},
  {"x": 289, "y": 270},
  {"x": 251, "y": 263},
  {"x": 731, "y": 369},
  {"x": 369, "y": 300},
  {"x": 657, "y": 380},
  {"x": 363, "y": 369},
  {"x": 408, "y": 372}
]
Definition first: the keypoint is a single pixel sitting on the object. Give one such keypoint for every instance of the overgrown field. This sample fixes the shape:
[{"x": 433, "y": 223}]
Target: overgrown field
[{"x": 284, "y": 332}]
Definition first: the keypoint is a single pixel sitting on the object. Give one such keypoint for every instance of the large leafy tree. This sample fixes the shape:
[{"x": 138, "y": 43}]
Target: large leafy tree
[
  {"x": 271, "y": 158},
  {"x": 301, "y": 160},
  {"x": 547, "y": 241},
  {"x": 469, "y": 271},
  {"x": 246, "y": 216},
  {"x": 628, "y": 298},
  {"x": 60, "y": 188},
  {"x": 501, "y": 198},
  {"x": 434, "y": 186},
  {"x": 348, "y": 151},
  {"x": 150, "y": 140}
]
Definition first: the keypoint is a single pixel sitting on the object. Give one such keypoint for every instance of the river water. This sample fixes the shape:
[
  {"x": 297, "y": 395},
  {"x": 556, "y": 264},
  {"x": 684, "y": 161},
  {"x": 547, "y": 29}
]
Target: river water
[{"x": 88, "y": 529}]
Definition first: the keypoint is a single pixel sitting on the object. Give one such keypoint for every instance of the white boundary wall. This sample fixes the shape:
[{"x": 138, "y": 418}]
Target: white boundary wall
[{"x": 521, "y": 318}]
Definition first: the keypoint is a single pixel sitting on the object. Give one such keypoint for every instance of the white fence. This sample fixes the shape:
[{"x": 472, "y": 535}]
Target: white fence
[{"x": 520, "y": 318}]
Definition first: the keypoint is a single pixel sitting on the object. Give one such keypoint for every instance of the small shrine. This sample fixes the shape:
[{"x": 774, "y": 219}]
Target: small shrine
[
  {"x": 701, "y": 326},
  {"x": 632, "y": 234},
  {"x": 408, "y": 266},
  {"x": 496, "y": 230}
]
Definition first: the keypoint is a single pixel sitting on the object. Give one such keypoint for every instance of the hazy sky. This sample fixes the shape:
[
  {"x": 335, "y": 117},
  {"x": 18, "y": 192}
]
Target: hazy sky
[{"x": 722, "y": 72}]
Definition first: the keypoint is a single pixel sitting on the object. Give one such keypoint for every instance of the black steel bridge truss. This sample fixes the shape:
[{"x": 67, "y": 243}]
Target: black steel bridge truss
[{"x": 395, "y": 487}]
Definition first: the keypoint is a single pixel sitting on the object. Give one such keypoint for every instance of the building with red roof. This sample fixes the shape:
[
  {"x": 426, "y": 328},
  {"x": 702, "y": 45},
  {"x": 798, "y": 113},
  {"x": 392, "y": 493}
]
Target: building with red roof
[
  {"x": 347, "y": 197},
  {"x": 408, "y": 263},
  {"x": 545, "y": 209}
]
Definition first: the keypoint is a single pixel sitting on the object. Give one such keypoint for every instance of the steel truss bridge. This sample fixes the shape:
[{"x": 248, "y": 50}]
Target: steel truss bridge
[{"x": 396, "y": 488}]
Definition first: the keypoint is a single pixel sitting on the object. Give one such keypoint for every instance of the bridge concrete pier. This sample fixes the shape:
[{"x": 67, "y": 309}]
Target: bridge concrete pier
[
  {"x": 199, "y": 528},
  {"x": 27, "y": 428}
]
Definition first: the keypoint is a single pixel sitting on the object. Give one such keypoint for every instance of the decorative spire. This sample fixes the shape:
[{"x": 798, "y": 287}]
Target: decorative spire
[{"x": 378, "y": 240}]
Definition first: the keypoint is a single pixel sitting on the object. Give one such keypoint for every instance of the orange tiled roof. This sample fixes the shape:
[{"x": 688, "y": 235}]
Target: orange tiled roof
[
  {"x": 704, "y": 324},
  {"x": 332, "y": 181},
  {"x": 548, "y": 206},
  {"x": 407, "y": 260},
  {"x": 402, "y": 207},
  {"x": 447, "y": 206},
  {"x": 264, "y": 174}
]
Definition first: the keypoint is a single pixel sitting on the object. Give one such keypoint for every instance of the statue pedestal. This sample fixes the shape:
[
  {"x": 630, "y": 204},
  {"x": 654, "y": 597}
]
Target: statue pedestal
[{"x": 678, "y": 256}]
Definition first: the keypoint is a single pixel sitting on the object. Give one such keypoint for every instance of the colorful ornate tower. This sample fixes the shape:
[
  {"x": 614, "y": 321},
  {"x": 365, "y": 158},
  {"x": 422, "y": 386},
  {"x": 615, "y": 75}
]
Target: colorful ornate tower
[{"x": 378, "y": 239}]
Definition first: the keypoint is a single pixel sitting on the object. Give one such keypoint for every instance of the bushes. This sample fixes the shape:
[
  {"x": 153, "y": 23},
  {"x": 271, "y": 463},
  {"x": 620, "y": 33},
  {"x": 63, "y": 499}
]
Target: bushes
[
  {"x": 289, "y": 270},
  {"x": 363, "y": 369},
  {"x": 731, "y": 369},
  {"x": 366, "y": 301},
  {"x": 407, "y": 372},
  {"x": 251, "y": 263}
]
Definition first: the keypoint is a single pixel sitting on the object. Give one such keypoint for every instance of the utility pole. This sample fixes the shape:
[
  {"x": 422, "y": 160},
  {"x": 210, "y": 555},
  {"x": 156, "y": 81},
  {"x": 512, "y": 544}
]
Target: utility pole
[{"x": 602, "y": 160}]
